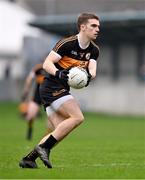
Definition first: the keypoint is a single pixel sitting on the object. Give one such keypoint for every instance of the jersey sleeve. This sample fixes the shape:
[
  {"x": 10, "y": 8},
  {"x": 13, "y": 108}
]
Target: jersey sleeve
[
  {"x": 60, "y": 48},
  {"x": 95, "y": 53}
]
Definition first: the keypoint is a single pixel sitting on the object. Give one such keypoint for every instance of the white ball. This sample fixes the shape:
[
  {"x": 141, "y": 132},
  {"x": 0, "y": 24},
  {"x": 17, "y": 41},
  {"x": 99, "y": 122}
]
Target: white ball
[{"x": 78, "y": 77}]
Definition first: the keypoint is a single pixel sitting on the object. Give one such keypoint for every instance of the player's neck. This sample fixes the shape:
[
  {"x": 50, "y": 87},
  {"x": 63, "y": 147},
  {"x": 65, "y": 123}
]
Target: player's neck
[{"x": 83, "y": 41}]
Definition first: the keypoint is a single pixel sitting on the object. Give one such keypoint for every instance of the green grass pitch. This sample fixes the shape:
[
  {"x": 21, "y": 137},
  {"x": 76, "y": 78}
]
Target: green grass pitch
[{"x": 103, "y": 147}]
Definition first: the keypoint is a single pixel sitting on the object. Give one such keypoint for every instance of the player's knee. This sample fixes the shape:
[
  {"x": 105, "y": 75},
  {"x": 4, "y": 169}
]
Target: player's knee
[
  {"x": 79, "y": 119},
  {"x": 30, "y": 116}
]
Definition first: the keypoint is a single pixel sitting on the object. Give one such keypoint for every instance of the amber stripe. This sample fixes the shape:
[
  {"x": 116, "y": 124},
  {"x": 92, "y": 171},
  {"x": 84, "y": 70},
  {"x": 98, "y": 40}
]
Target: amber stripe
[
  {"x": 63, "y": 41},
  {"x": 95, "y": 45}
]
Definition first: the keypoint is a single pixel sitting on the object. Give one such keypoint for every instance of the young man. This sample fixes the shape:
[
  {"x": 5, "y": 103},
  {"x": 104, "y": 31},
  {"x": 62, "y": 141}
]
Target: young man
[
  {"x": 61, "y": 107},
  {"x": 33, "y": 105}
]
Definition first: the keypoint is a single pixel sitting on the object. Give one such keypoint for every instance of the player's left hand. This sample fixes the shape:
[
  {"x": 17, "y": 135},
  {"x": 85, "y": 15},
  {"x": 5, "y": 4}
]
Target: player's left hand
[{"x": 89, "y": 79}]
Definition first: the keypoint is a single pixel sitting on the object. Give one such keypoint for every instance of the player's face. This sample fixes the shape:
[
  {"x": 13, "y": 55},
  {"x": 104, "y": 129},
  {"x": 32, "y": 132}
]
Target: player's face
[{"x": 91, "y": 29}]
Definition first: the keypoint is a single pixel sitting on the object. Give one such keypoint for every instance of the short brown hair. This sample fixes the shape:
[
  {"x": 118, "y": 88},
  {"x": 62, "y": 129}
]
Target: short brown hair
[{"x": 84, "y": 17}]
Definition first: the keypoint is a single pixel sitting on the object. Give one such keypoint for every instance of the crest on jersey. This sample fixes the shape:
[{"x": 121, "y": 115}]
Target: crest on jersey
[
  {"x": 81, "y": 55},
  {"x": 88, "y": 56}
]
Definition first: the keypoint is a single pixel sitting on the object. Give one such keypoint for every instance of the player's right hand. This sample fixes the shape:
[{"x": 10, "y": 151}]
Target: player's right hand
[{"x": 62, "y": 74}]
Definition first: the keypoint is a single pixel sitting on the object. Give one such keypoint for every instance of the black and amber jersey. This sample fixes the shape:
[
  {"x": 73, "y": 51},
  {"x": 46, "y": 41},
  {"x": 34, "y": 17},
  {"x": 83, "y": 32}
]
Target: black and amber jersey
[
  {"x": 39, "y": 73},
  {"x": 73, "y": 55}
]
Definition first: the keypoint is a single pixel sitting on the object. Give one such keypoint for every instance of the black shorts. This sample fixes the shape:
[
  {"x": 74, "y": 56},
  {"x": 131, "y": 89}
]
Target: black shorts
[
  {"x": 52, "y": 89},
  {"x": 36, "y": 98}
]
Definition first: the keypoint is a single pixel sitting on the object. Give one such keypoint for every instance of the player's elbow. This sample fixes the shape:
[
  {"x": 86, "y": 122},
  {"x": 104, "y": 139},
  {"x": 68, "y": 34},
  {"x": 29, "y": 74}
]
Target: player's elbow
[
  {"x": 79, "y": 119},
  {"x": 44, "y": 65}
]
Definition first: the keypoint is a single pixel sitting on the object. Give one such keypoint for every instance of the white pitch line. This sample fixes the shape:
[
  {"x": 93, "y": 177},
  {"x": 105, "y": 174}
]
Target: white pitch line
[{"x": 104, "y": 165}]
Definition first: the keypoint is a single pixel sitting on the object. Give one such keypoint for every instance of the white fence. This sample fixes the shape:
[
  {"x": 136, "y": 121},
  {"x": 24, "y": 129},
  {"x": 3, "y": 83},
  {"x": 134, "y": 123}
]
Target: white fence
[{"x": 123, "y": 97}]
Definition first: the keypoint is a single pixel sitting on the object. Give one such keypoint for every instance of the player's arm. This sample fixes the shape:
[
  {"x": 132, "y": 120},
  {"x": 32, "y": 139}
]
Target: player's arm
[
  {"x": 92, "y": 68},
  {"x": 27, "y": 84},
  {"x": 49, "y": 62},
  {"x": 49, "y": 66}
]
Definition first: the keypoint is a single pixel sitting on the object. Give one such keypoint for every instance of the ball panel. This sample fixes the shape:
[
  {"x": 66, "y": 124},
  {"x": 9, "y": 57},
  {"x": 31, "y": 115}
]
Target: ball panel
[{"x": 78, "y": 77}]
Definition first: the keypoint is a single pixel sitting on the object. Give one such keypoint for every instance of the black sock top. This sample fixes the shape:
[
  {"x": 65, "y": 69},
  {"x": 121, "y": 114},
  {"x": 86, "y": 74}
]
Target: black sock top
[{"x": 49, "y": 143}]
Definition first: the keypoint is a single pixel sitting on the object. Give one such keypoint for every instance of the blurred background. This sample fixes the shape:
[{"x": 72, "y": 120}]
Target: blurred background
[{"x": 30, "y": 28}]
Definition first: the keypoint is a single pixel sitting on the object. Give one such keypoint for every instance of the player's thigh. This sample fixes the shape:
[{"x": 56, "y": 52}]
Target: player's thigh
[
  {"x": 70, "y": 108},
  {"x": 50, "y": 126},
  {"x": 55, "y": 119}
]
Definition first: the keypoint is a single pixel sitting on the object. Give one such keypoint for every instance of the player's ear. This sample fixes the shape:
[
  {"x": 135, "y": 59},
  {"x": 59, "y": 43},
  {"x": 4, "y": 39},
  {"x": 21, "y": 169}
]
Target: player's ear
[{"x": 82, "y": 27}]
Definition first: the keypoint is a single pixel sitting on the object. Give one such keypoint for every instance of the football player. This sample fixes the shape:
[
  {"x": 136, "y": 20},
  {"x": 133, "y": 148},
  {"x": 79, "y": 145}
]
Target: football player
[
  {"x": 30, "y": 108},
  {"x": 61, "y": 107}
]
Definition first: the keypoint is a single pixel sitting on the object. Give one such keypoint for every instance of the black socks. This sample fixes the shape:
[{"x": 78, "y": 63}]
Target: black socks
[
  {"x": 49, "y": 143},
  {"x": 29, "y": 133}
]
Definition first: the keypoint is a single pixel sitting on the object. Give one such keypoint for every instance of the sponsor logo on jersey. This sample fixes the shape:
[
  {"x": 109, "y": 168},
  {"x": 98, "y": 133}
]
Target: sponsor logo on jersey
[
  {"x": 74, "y": 53},
  {"x": 56, "y": 93}
]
